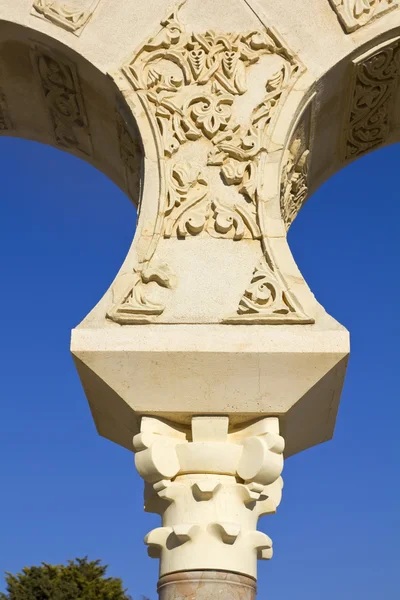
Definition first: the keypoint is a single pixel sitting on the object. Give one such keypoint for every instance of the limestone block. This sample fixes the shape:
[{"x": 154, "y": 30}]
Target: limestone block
[{"x": 239, "y": 371}]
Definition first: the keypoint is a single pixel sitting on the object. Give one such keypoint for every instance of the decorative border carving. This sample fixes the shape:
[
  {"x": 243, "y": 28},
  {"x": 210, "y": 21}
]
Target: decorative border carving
[
  {"x": 354, "y": 14},
  {"x": 294, "y": 180},
  {"x": 72, "y": 15},
  {"x": 129, "y": 151},
  {"x": 63, "y": 97},
  {"x": 375, "y": 80},
  {"x": 5, "y": 119},
  {"x": 188, "y": 84}
]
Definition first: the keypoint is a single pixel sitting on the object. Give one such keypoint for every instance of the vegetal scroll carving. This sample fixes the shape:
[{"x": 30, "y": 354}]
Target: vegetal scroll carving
[
  {"x": 72, "y": 15},
  {"x": 241, "y": 153},
  {"x": 235, "y": 221},
  {"x": 130, "y": 150},
  {"x": 266, "y": 300},
  {"x": 211, "y": 113},
  {"x": 264, "y": 294},
  {"x": 188, "y": 202},
  {"x": 188, "y": 84},
  {"x": 191, "y": 210},
  {"x": 133, "y": 288},
  {"x": 170, "y": 68},
  {"x": 294, "y": 186},
  {"x": 353, "y": 14},
  {"x": 294, "y": 180},
  {"x": 375, "y": 80},
  {"x": 64, "y": 100}
]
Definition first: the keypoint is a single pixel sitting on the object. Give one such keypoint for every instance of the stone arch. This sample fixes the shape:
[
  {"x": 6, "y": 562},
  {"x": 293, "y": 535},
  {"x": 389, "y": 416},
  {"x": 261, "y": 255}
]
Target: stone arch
[
  {"x": 358, "y": 106},
  {"x": 244, "y": 107},
  {"x": 244, "y": 158},
  {"x": 51, "y": 94}
]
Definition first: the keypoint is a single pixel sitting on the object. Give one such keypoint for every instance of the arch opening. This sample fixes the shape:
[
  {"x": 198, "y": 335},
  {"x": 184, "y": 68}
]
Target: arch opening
[{"x": 51, "y": 94}]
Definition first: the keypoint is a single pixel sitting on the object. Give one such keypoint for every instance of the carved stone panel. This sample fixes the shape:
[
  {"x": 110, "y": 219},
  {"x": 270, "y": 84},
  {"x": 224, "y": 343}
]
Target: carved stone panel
[
  {"x": 212, "y": 155},
  {"x": 72, "y": 15},
  {"x": 294, "y": 181},
  {"x": 353, "y": 14},
  {"x": 192, "y": 209},
  {"x": 63, "y": 97},
  {"x": 375, "y": 81},
  {"x": 265, "y": 296}
]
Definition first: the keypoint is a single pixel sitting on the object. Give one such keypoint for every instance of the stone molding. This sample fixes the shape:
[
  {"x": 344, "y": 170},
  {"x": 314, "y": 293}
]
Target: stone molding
[{"x": 210, "y": 487}]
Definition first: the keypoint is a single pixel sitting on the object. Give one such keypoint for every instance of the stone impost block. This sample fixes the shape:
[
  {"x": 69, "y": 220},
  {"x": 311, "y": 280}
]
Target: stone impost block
[{"x": 175, "y": 372}]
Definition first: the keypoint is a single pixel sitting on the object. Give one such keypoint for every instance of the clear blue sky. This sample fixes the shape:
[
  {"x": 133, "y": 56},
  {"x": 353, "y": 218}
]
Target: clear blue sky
[{"x": 66, "y": 492}]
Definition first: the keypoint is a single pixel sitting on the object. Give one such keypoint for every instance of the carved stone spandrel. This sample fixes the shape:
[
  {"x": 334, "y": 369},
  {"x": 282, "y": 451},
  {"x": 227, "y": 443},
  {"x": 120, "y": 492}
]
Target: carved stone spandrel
[{"x": 212, "y": 152}]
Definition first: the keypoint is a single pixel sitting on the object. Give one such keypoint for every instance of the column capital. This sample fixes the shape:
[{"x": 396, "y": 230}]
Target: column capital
[{"x": 210, "y": 486}]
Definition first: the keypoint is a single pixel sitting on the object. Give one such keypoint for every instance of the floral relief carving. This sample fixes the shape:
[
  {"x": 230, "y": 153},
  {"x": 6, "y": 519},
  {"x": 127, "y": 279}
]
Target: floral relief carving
[
  {"x": 265, "y": 294},
  {"x": 294, "y": 185},
  {"x": 64, "y": 100},
  {"x": 235, "y": 221},
  {"x": 353, "y": 14},
  {"x": 294, "y": 178},
  {"x": 188, "y": 84},
  {"x": 241, "y": 153},
  {"x": 130, "y": 150},
  {"x": 171, "y": 67},
  {"x": 372, "y": 101},
  {"x": 135, "y": 304},
  {"x": 72, "y": 15},
  {"x": 5, "y": 120},
  {"x": 266, "y": 300},
  {"x": 188, "y": 201},
  {"x": 211, "y": 113},
  {"x": 191, "y": 209}
]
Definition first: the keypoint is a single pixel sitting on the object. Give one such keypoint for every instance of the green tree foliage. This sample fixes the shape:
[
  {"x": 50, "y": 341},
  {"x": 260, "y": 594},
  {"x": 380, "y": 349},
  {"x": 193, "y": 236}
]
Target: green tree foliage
[{"x": 80, "y": 579}]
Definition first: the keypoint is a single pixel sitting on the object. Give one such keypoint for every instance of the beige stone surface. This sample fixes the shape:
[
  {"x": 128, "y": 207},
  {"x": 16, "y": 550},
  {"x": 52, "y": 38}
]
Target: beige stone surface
[
  {"x": 243, "y": 372},
  {"x": 218, "y": 120},
  {"x": 209, "y": 118}
]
